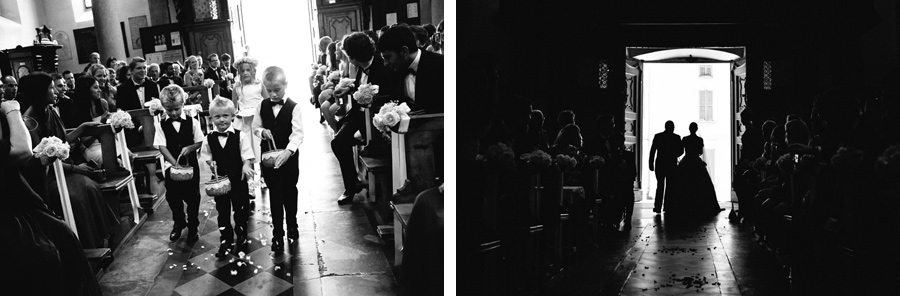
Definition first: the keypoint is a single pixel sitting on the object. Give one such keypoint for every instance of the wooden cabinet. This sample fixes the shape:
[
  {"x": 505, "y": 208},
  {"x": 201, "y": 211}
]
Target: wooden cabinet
[{"x": 21, "y": 61}]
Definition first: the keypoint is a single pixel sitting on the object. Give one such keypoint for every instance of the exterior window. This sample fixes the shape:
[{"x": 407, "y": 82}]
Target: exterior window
[
  {"x": 705, "y": 71},
  {"x": 706, "y": 105},
  {"x": 88, "y": 4},
  {"x": 767, "y": 75},
  {"x": 604, "y": 74}
]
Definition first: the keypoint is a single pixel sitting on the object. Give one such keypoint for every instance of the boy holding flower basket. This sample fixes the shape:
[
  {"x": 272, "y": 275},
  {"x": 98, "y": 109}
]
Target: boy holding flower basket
[{"x": 180, "y": 134}]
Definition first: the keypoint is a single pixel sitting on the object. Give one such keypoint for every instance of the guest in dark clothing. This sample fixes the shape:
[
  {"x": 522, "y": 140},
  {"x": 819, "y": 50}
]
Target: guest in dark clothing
[
  {"x": 422, "y": 272},
  {"x": 751, "y": 141},
  {"x": 133, "y": 93},
  {"x": 64, "y": 103},
  {"x": 536, "y": 136},
  {"x": 360, "y": 50},
  {"x": 669, "y": 146},
  {"x": 419, "y": 77},
  {"x": 41, "y": 249}
]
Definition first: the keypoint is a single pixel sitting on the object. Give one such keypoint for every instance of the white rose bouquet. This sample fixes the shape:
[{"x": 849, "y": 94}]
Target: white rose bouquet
[
  {"x": 121, "y": 119},
  {"x": 538, "y": 160},
  {"x": 565, "y": 163},
  {"x": 335, "y": 77},
  {"x": 344, "y": 83},
  {"x": 229, "y": 76},
  {"x": 208, "y": 83},
  {"x": 390, "y": 116},
  {"x": 365, "y": 94},
  {"x": 322, "y": 70},
  {"x": 50, "y": 149},
  {"x": 155, "y": 106}
]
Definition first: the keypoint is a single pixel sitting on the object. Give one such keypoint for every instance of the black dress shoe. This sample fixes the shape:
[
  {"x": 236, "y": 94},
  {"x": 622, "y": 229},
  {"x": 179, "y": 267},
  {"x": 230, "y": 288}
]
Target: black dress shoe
[
  {"x": 241, "y": 241},
  {"x": 193, "y": 235},
  {"x": 345, "y": 199},
  {"x": 176, "y": 233},
  {"x": 293, "y": 234},
  {"x": 224, "y": 249},
  {"x": 278, "y": 244}
]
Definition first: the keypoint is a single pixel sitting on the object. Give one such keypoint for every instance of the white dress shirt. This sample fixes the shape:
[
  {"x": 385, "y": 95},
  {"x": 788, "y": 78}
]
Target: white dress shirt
[
  {"x": 160, "y": 138},
  {"x": 246, "y": 146},
  {"x": 296, "y": 137},
  {"x": 411, "y": 79}
]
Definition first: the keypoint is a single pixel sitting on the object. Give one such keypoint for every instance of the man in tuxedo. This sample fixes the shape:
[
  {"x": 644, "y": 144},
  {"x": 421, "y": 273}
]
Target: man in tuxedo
[
  {"x": 213, "y": 70},
  {"x": 361, "y": 51},
  {"x": 419, "y": 78},
  {"x": 133, "y": 93},
  {"x": 670, "y": 148},
  {"x": 63, "y": 104}
]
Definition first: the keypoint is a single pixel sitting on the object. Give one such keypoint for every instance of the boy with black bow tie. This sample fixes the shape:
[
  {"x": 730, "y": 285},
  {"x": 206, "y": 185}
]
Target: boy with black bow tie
[
  {"x": 278, "y": 118},
  {"x": 230, "y": 151},
  {"x": 182, "y": 134}
]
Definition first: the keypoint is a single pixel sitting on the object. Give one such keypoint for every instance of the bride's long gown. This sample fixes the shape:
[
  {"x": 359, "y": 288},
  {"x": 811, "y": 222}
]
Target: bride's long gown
[{"x": 693, "y": 192}]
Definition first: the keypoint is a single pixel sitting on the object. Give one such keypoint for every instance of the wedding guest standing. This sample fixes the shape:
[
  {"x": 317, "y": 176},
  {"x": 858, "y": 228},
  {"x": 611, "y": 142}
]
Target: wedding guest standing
[
  {"x": 180, "y": 135},
  {"x": 133, "y": 93},
  {"x": 668, "y": 144},
  {"x": 420, "y": 74},
  {"x": 278, "y": 118}
]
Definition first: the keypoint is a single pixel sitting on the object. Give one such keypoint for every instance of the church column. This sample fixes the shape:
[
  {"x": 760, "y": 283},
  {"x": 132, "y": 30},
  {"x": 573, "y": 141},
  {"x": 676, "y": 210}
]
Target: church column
[{"x": 109, "y": 34}]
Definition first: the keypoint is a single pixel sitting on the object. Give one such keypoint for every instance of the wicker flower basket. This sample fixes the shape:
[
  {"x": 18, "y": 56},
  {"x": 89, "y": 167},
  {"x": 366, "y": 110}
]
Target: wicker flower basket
[
  {"x": 268, "y": 158},
  {"x": 181, "y": 173},
  {"x": 219, "y": 185}
]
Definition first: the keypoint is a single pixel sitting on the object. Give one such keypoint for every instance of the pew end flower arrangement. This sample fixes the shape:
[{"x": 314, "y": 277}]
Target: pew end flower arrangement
[
  {"x": 499, "y": 158},
  {"x": 597, "y": 161},
  {"x": 565, "y": 163},
  {"x": 392, "y": 117},
  {"x": 120, "y": 119},
  {"x": 50, "y": 149},
  {"x": 155, "y": 106},
  {"x": 537, "y": 161},
  {"x": 365, "y": 94}
]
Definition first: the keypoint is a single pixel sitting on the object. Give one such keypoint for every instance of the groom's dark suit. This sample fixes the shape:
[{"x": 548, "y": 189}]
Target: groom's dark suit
[
  {"x": 127, "y": 99},
  {"x": 429, "y": 84},
  {"x": 670, "y": 148},
  {"x": 343, "y": 142}
]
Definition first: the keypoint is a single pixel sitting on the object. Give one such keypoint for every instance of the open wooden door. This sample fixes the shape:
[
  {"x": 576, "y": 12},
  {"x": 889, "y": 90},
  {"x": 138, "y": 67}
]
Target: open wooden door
[
  {"x": 738, "y": 104},
  {"x": 633, "y": 94}
]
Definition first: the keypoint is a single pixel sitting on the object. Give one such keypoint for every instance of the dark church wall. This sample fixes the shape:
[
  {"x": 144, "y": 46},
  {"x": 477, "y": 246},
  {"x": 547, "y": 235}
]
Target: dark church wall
[{"x": 550, "y": 51}]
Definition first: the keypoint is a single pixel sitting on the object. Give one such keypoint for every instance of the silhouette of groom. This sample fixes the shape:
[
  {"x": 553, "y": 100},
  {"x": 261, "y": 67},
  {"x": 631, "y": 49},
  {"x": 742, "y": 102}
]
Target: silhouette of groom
[{"x": 670, "y": 148}]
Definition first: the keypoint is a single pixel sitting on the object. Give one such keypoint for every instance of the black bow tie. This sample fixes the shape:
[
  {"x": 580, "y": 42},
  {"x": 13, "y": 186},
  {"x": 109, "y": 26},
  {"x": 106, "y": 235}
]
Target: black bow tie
[
  {"x": 173, "y": 119},
  {"x": 411, "y": 71},
  {"x": 280, "y": 102},
  {"x": 222, "y": 134}
]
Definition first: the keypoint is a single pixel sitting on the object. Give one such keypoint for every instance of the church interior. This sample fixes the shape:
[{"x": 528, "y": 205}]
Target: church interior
[{"x": 540, "y": 84}]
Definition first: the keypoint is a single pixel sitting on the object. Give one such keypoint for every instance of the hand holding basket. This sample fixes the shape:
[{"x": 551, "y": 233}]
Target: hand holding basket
[
  {"x": 219, "y": 185},
  {"x": 181, "y": 173},
  {"x": 269, "y": 158}
]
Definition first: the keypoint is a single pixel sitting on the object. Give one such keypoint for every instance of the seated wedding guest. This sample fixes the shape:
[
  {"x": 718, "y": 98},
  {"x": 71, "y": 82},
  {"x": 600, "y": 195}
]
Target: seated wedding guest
[
  {"x": 568, "y": 142},
  {"x": 193, "y": 75},
  {"x": 91, "y": 107},
  {"x": 42, "y": 248},
  {"x": 94, "y": 59},
  {"x": 70, "y": 82},
  {"x": 437, "y": 40},
  {"x": 93, "y": 217},
  {"x": 422, "y": 271},
  {"x": 63, "y": 104},
  {"x": 230, "y": 152},
  {"x": 536, "y": 136},
  {"x": 751, "y": 140},
  {"x": 421, "y": 36},
  {"x": 360, "y": 51},
  {"x": 176, "y": 137},
  {"x": 177, "y": 70},
  {"x": 134, "y": 92},
  {"x": 214, "y": 68},
  {"x": 111, "y": 62},
  {"x": 123, "y": 74},
  {"x": 421, "y": 73},
  {"x": 324, "y": 42},
  {"x": 108, "y": 91},
  {"x": 565, "y": 118},
  {"x": 227, "y": 85},
  {"x": 153, "y": 72}
]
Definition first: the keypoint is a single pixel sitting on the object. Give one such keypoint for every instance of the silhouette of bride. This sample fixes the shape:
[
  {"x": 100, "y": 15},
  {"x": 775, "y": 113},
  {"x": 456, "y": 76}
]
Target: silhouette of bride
[{"x": 693, "y": 192}]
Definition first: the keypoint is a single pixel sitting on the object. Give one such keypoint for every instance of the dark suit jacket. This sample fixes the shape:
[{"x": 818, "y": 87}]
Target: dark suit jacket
[
  {"x": 67, "y": 112},
  {"x": 379, "y": 75},
  {"x": 127, "y": 98},
  {"x": 429, "y": 84},
  {"x": 670, "y": 148},
  {"x": 211, "y": 73}
]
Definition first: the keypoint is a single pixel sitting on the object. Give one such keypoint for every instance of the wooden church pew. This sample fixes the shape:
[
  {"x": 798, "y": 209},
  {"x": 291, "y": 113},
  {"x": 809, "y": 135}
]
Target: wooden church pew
[
  {"x": 146, "y": 159},
  {"x": 118, "y": 178},
  {"x": 98, "y": 258}
]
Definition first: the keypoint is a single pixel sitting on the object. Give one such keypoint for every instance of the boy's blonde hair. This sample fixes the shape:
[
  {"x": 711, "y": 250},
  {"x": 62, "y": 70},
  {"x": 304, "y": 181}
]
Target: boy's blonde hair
[
  {"x": 171, "y": 93},
  {"x": 274, "y": 74},
  {"x": 221, "y": 102}
]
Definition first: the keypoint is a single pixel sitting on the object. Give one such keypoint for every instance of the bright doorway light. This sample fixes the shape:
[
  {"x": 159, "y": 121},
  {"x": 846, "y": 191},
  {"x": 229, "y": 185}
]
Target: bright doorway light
[
  {"x": 686, "y": 93},
  {"x": 278, "y": 33}
]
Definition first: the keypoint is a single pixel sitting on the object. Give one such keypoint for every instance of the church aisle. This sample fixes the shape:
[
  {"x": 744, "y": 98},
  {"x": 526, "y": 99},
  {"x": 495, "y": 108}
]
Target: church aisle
[
  {"x": 338, "y": 252},
  {"x": 662, "y": 256}
]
